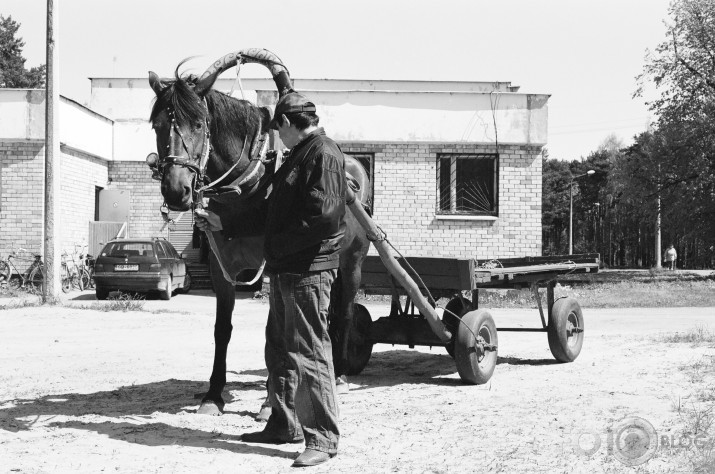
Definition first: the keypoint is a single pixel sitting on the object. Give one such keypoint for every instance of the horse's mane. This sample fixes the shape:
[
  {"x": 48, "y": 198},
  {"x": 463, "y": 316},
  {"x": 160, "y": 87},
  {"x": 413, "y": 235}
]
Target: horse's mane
[{"x": 225, "y": 112}]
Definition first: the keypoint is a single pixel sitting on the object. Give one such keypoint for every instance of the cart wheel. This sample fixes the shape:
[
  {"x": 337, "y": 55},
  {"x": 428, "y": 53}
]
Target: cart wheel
[
  {"x": 360, "y": 345},
  {"x": 475, "y": 350},
  {"x": 565, "y": 330},
  {"x": 459, "y": 306}
]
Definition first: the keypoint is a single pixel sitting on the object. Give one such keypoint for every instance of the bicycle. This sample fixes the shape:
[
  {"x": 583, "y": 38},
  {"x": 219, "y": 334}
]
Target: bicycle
[
  {"x": 72, "y": 275},
  {"x": 31, "y": 279},
  {"x": 86, "y": 265}
]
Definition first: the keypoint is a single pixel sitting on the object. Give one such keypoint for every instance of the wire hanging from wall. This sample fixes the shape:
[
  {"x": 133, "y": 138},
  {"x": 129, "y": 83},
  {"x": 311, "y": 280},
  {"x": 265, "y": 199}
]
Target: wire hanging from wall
[{"x": 494, "y": 105}]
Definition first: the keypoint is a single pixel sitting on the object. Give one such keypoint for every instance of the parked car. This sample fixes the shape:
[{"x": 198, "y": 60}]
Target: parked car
[{"x": 142, "y": 265}]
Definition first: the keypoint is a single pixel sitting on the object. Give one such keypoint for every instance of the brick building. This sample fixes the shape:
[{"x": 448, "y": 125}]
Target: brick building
[{"x": 445, "y": 184}]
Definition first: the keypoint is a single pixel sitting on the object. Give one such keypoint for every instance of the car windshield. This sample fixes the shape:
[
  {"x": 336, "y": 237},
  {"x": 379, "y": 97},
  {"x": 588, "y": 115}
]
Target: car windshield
[{"x": 128, "y": 249}]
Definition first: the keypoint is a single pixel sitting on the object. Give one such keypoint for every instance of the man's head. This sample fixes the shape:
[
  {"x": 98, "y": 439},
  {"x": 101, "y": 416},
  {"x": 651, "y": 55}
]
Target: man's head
[{"x": 293, "y": 116}]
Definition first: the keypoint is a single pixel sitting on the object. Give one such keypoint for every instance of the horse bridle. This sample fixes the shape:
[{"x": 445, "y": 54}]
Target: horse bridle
[{"x": 173, "y": 158}]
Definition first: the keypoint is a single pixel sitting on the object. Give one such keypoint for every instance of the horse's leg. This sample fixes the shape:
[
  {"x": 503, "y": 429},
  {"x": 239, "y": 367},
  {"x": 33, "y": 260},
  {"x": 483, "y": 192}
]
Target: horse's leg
[
  {"x": 212, "y": 402},
  {"x": 350, "y": 270}
]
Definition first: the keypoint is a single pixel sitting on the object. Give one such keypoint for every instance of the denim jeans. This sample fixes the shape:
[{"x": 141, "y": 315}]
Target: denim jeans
[{"x": 299, "y": 358}]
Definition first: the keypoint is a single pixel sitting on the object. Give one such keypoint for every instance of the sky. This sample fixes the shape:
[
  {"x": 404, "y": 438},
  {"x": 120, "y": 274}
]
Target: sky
[{"x": 585, "y": 54}]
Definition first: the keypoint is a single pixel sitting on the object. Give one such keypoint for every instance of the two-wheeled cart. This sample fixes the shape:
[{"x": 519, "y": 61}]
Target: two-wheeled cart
[{"x": 472, "y": 340}]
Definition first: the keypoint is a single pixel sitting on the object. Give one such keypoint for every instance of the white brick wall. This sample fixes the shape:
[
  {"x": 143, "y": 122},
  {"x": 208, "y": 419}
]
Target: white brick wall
[{"x": 406, "y": 197}]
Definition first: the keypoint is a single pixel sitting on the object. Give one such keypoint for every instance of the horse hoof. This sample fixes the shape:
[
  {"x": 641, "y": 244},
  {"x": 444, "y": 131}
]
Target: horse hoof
[
  {"x": 342, "y": 386},
  {"x": 209, "y": 408},
  {"x": 264, "y": 414}
]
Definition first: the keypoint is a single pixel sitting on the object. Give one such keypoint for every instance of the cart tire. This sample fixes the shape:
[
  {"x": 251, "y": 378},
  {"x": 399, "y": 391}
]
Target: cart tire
[
  {"x": 565, "y": 330},
  {"x": 360, "y": 345},
  {"x": 475, "y": 362},
  {"x": 460, "y": 306}
]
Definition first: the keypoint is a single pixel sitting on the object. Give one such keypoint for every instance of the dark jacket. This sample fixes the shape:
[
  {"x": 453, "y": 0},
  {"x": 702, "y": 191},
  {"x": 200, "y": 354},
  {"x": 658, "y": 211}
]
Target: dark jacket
[{"x": 305, "y": 216}]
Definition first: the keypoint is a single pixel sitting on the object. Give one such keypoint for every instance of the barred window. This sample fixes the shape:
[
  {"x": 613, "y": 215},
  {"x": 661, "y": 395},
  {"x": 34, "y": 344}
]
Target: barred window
[
  {"x": 467, "y": 184},
  {"x": 367, "y": 160}
]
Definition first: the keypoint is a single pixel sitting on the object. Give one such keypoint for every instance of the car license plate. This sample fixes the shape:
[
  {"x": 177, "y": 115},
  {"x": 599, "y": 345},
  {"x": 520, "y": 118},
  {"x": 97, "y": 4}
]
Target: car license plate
[{"x": 126, "y": 268}]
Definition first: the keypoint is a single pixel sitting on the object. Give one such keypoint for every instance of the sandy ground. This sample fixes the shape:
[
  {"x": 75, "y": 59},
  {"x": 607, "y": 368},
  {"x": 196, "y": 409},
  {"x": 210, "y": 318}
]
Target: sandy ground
[{"x": 90, "y": 391}]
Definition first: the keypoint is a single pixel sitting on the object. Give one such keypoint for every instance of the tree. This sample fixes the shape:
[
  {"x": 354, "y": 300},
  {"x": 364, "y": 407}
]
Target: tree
[
  {"x": 12, "y": 65},
  {"x": 682, "y": 164}
]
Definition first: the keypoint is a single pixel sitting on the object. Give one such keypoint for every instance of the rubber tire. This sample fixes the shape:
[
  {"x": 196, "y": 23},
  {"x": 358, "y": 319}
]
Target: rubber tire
[
  {"x": 471, "y": 369},
  {"x": 84, "y": 279},
  {"x": 166, "y": 294},
  {"x": 101, "y": 293},
  {"x": 66, "y": 284},
  {"x": 4, "y": 273},
  {"x": 359, "y": 345},
  {"x": 187, "y": 283},
  {"x": 565, "y": 313},
  {"x": 460, "y": 306},
  {"x": 36, "y": 279}
]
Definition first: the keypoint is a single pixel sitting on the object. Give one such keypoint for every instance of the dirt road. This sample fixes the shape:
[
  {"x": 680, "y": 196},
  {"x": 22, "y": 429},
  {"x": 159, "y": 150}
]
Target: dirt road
[{"x": 90, "y": 391}]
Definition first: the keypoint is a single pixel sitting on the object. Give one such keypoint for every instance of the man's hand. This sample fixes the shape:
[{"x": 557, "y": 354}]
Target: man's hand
[{"x": 207, "y": 220}]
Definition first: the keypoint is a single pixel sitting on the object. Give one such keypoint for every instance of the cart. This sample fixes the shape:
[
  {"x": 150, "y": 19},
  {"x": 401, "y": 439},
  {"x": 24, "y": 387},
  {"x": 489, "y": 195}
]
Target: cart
[{"x": 472, "y": 339}]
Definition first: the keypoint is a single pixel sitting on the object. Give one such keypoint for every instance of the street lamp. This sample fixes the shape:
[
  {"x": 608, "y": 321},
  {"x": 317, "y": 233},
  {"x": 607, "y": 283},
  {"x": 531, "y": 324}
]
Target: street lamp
[{"x": 573, "y": 178}]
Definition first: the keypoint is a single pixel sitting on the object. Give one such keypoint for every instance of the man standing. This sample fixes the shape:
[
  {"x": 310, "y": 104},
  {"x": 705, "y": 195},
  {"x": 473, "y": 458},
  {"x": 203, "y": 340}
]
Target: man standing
[
  {"x": 303, "y": 230},
  {"x": 670, "y": 257}
]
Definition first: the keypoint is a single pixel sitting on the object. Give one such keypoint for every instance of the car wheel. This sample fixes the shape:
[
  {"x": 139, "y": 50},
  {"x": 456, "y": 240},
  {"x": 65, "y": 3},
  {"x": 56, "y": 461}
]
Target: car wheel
[
  {"x": 166, "y": 293},
  {"x": 187, "y": 283},
  {"x": 102, "y": 293}
]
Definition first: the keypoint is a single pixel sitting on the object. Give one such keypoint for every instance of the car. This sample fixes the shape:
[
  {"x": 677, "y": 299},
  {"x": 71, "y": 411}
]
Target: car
[{"x": 141, "y": 265}]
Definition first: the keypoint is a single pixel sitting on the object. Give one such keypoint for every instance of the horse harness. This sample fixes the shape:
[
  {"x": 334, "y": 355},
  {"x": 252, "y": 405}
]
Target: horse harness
[{"x": 247, "y": 180}]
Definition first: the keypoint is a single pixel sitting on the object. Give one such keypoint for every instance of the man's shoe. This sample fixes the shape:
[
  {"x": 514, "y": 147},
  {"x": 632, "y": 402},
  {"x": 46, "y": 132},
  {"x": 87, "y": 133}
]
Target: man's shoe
[
  {"x": 265, "y": 437},
  {"x": 311, "y": 457}
]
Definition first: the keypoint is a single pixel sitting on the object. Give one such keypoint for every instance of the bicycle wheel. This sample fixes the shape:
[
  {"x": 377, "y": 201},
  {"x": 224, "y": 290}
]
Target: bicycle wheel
[
  {"x": 66, "y": 279},
  {"x": 4, "y": 273},
  {"x": 36, "y": 279},
  {"x": 84, "y": 279},
  {"x": 91, "y": 277}
]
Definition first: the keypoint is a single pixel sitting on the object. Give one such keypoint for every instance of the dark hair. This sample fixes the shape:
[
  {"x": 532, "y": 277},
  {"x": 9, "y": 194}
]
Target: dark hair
[{"x": 303, "y": 120}]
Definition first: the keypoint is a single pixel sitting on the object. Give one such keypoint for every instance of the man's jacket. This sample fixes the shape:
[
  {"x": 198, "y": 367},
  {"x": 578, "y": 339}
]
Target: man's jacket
[{"x": 306, "y": 208}]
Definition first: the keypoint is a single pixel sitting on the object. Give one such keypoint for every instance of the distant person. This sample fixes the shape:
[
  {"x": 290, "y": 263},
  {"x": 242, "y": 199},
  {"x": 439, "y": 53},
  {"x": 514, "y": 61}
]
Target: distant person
[{"x": 670, "y": 257}]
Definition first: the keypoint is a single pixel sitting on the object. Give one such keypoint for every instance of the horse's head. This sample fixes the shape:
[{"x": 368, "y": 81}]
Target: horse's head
[{"x": 180, "y": 121}]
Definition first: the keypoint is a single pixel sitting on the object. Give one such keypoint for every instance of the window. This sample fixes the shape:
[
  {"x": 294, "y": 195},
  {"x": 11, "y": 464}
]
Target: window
[
  {"x": 467, "y": 184},
  {"x": 367, "y": 160},
  {"x": 160, "y": 251}
]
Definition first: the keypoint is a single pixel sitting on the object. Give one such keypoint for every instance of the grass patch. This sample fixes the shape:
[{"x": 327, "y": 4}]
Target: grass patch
[
  {"x": 123, "y": 302},
  {"x": 698, "y": 335}
]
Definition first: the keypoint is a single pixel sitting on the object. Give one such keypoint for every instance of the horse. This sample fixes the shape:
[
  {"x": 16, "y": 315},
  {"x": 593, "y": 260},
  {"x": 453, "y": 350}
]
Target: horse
[{"x": 211, "y": 147}]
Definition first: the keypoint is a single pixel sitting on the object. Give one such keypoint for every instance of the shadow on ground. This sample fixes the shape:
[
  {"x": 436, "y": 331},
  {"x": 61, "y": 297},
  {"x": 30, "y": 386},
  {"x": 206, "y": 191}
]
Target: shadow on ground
[
  {"x": 171, "y": 396},
  {"x": 397, "y": 367}
]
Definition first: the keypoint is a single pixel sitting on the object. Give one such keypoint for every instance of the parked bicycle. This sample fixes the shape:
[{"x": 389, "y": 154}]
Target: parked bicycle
[
  {"x": 30, "y": 279},
  {"x": 86, "y": 264},
  {"x": 73, "y": 275}
]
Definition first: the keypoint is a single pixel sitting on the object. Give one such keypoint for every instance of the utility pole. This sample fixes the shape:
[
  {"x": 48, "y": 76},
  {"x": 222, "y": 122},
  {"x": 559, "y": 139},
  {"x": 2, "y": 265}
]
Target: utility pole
[
  {"x": 51, "y": 288},
  {"x": 657, "y": 233}
]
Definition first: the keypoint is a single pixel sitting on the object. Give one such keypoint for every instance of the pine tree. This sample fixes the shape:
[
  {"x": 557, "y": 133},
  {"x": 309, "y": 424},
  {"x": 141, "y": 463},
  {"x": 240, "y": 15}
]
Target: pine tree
[{"x": 12, "y": 65}]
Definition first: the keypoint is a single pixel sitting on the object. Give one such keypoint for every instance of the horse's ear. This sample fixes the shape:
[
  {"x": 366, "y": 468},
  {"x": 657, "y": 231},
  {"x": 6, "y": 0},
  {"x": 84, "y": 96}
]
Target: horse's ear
[
  {"x": 205, "y": 83},
  {"x": 155, "y": 83}
]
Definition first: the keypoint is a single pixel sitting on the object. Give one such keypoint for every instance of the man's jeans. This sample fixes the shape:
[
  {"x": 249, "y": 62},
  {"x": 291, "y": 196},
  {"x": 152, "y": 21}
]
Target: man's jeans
[{"x": 301, "y": 380}]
